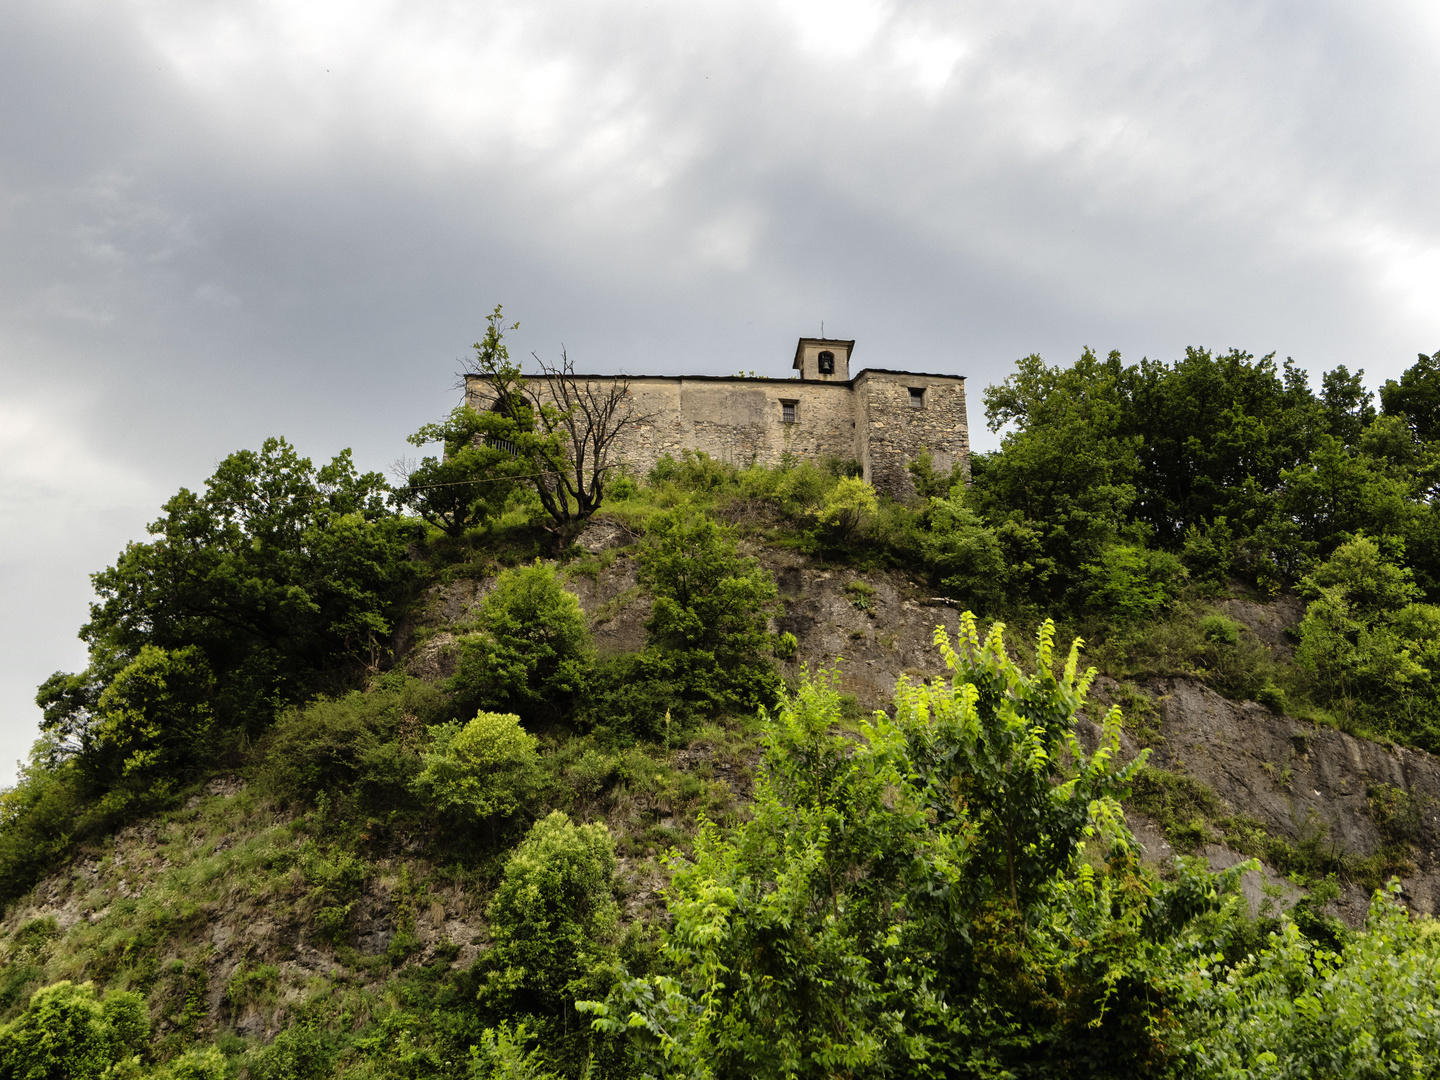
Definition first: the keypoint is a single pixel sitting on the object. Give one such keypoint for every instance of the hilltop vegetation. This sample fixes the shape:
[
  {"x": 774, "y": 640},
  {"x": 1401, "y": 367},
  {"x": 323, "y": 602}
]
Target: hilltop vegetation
[{"x": 267, "y": 842}]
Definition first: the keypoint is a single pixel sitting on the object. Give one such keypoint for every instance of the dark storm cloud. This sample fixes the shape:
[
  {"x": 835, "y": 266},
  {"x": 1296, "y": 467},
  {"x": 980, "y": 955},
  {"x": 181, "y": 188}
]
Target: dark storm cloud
[{"x": 224, "y": 220}]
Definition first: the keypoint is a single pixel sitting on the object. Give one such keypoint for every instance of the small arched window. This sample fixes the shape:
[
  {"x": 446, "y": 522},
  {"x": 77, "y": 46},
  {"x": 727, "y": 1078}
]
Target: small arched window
[{"x": 827, "y": 362}]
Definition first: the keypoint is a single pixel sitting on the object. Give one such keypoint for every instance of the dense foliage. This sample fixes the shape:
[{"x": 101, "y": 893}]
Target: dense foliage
[
  {"x": 531, "y": 653},
  {"x": 256, "y": 592},
  {"x": 947, "y": 889},
  {"x": 953, "y": 894}
]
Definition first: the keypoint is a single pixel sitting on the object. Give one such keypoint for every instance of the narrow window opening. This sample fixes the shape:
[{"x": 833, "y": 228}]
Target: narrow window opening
[
  {"x": 787, "y": 412},
  {"x": 917, "y": 397},
  {"x": 827, "y": 362}
]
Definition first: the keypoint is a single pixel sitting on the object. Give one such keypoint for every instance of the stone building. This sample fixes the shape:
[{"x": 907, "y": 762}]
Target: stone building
[{"x": 879, "y": 419}]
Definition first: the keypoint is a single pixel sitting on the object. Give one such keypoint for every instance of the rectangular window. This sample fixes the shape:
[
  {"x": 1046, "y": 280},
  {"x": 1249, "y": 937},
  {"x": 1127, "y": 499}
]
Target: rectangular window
[
  {"x": 787, "y": 412},
  {"x": 917, "y": 397}
]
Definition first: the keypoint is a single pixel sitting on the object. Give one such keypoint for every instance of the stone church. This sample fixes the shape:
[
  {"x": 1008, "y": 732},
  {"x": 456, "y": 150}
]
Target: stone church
[{"x": 878, "y": 418}]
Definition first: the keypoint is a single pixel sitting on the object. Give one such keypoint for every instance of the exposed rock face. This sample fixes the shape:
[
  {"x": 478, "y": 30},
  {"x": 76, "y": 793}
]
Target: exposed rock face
[{"x": 1301, "y": 780}]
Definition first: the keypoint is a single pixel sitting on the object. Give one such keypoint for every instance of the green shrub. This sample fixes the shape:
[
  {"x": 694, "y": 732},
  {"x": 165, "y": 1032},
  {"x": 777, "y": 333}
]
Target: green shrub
[
  {"x": 554, "y": 921},
  {"x": 708, "y": 629},
  {"x": 335, "y": 878},
  {"x": 50, "y": 807},
  {"x": 1272, "y": 697},
  {"x": 695, "y": 471},
  {"x": 1182, "y": 806},
  {"x": 298, "y": 1053},
  {"x": 198, "y": 1063},
  {"x": 786, "y": 646},
  {"x": 1399, "y": 815},
  {"x": 963, "y": 555},
  {"x": 482, "y": 770},
  {"x": 1297, "y": 1008},
  {"x": 362, "y": 743},
  {"x": 862, "y": 595},
  {"x": 1129, "y": 584},
  {"x": 533, "y": 653},
  {"x": 848, "y": 507},
  {"x": 65, "y": 1033},
  {"x": 630, "y": 695},
  {"x": 502, "y": 1055},
  {"x": 1208, "y": 551},
  {"x": 1220, "y": 630},
  {"x": 930, "y": 484},
  {"x": 251, "y": 985}
]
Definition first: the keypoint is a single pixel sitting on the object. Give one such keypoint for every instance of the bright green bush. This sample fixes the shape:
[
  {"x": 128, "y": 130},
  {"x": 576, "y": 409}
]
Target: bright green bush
[
  {"x": 66, "y": 1033},
  {"x": 954, "y": 893},
  {"x": 1298, "y": 1009},
  {"x": 198, "y": 1063},
  {"x": 708, "y": 630},
  {"x": 554, "y": 921},
  {"x": 848, "y": 507},
  {"x": 1220, "y": 630},
  {"x": 481, "y": 770},
  {"x": 533, "y": 652},
  {"x": 1128, "y": 584}
]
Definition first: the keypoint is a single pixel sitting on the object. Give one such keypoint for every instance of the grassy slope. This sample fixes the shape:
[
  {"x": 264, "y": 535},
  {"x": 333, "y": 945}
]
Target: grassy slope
[{"x": 239, "y": 914}]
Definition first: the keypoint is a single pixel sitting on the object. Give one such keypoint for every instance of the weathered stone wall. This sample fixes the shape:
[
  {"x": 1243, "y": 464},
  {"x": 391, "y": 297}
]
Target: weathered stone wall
[
  {"x": 895, "y": 431},
  {"x": 741, "y": 420}
]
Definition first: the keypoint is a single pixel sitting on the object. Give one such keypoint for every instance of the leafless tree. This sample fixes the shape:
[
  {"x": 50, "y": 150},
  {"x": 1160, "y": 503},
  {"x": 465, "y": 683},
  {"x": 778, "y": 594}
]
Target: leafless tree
[{"x": 568, "y": 427}]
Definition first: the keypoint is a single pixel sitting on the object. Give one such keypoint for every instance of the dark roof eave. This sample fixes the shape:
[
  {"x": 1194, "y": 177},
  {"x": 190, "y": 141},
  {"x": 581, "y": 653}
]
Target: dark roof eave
[{"x": 754, "y": 379}]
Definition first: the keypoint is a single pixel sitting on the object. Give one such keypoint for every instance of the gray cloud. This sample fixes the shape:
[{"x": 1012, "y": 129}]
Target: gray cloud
[{"x": 226, "y": 220}]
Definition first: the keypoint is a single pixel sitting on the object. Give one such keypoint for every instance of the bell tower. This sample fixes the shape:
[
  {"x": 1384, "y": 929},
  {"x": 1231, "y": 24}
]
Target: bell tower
[{"x": 823, "y": 359}]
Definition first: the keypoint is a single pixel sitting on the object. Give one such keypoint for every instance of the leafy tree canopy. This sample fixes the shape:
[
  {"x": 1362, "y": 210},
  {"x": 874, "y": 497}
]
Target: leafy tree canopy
[
  {"x": 953, "y": 894},
  {"x": 274, "y": 580},
  {"x": 533, "y": 652}
]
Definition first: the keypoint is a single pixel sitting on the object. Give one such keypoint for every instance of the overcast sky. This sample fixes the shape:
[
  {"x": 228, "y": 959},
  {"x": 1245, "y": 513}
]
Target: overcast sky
[{"x": 221, "y": 220}]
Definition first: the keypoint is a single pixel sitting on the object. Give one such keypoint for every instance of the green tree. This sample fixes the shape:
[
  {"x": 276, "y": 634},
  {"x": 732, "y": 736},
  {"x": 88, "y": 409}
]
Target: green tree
[
  {"x": 1338, "y": 492},
  {"x": 561, "y": 426},
  {"x": 554, "y": 920},
  {"x": 484, "y": 769},
  {"x": 533, "y": 652},
  {"x": 1369, "y": 641},
  {"x": 708, "y": 628},
  {"x": 952, "y": 894},
  {"x": 153, "y": 715},
  {"x": 1065, "y": 474},
  {"x": 474, "y": 478},
  {"x": 65, "y": 1033},
  {"x": 1416, "y": 397},
  {"x": 281, "y": 575}
]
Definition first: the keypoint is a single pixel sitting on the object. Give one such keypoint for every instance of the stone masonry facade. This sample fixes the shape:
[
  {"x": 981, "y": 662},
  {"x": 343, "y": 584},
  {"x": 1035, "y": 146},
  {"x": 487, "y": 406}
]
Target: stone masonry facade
[{"x": 879, "y": 419}]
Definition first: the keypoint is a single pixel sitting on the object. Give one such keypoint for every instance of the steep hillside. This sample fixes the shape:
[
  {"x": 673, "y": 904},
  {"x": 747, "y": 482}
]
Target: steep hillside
[
  {"x": 224, "y": 909},
  {"x": 731, "y": 782}
]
